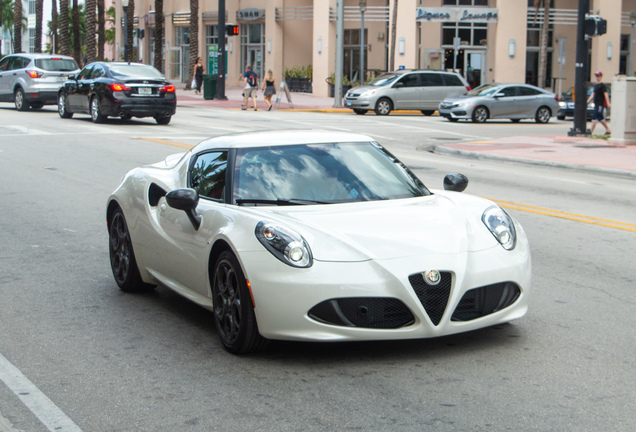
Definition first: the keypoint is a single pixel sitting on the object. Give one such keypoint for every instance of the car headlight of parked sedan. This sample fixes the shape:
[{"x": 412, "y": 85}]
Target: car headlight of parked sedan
[{"x": 501, "y": 226}]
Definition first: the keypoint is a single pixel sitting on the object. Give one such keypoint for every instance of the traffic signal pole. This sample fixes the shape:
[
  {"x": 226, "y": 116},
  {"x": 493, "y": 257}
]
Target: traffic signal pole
[
  {"x": 220, "y": 81},
  {"x": 580, "y": 90}
]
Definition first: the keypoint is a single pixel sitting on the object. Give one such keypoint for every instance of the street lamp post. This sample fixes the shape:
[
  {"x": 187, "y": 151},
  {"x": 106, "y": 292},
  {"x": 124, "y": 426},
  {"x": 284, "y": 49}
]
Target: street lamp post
[
  {"x": 363, "y": 8},
  {"x": 124, "y": 4},
  {"x": 632, "y": 20}
]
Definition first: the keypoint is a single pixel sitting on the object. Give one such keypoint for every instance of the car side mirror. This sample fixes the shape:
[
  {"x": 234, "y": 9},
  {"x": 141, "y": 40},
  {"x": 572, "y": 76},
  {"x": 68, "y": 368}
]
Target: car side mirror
[
  {"x": 455, "y": 182},
  {"x": 186, "y": 200},
  {"x": 398, "y": 85},
  {"x": 498, "y": 95},
  {"x": 71, "y": 77}
]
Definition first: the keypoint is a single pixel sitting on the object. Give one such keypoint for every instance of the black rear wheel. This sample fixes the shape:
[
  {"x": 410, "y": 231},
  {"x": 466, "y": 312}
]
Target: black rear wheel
[
  {"x": 62, "y": 109},
  {"x": 96, "y": 114},
  {"x": 19, "y": 100},
  {"x": 163, "y": 120}
]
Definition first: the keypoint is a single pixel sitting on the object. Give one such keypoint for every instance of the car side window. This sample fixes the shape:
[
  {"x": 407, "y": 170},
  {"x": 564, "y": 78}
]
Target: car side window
[
  {"x": 4, "y": 64},
  {"x": 409, "y": 80},
  {"x": 207, "y": 174},
  {"x": 452, "y": 80},
  {"x": 85, "y": 73},
  {"x": 98, "y": 72},
  {"x": 508, "y": 91},
  {"x": 527, "y": 91},
  {"x": 431, "y": 80}
]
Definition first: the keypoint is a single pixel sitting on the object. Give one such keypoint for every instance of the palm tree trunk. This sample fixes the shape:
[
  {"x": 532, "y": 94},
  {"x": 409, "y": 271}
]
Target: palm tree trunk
[
  {"x": 543, "y": 49},
  {"x": 77, "y": 47},
  {"x": 129, "y": 30},
  {"x": 64, "y": 37},
  {"x": 38, "y": 25},
  {"x": 194, "y": 36},
  {"x": 1, "y": 21},
  {"x": 159, "y": 35},
  {"x": 393, "y": 36},
  {"x": 17, "y": 27},
  {"x": 55, "y": 46},
  {"x": 91, "y": 28},
  {"x": 101, "y": 29}
]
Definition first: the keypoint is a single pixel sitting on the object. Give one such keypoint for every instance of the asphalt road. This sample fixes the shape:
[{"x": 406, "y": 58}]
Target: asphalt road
[{"x": 98, "y": 359}]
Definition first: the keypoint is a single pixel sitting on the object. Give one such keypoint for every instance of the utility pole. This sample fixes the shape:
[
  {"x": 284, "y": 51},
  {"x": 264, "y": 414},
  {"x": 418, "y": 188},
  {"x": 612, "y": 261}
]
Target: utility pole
[
  {"x": 580, "y": 91},
  {"x": 337, "y": 89},
  {"x": 220, "y": 81}
]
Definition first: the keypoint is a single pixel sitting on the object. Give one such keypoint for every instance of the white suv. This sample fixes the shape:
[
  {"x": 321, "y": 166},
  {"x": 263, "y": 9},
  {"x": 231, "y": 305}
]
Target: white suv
[
  {"x": 32, "y": 80},
  {"x": 421, "y": 90}
]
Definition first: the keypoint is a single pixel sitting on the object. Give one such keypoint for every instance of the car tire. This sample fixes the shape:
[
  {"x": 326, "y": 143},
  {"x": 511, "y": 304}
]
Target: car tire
[
  {"x": 560, "y": 117},
  {"x": 37, "y": 105},
  {"x": 19, "y": 100},
  {"x": 452, "y": 119},
  {"x": 543, "y": 115},
  {"x": 515, "y": 120},
  {"x": 62, "y": 108},
  {"x": 428, "y": 112},
  {"x": 96, "y": 114},
  {"x": 234, "y": 315},
  {"x": 383, "y": 106},
  {"x": 126, "y": 117},
  {"x": 122, "y": 256},
  {"x": 163, "y": 120},
  {"x": 480, "y": 114},
  {"x": 360, "y": 111}
]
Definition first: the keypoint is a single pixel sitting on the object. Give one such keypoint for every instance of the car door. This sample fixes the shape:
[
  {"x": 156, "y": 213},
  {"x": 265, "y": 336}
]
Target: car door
[
  {"x": 406, "y": 92},
  {"x": 432, "y": 90},
  {"x": 505, "y": 102},
  {"x": 529, "y": 100},
  {"x": 181, "y": 249},
  {"x": 79, "y": 90},
  {"x": 5, "y": 64}
]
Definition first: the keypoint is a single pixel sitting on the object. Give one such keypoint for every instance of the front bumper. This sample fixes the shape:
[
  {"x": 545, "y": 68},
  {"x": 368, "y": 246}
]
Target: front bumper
[
  {"x": 359, "y": 103},
  {"x": 462, "y": 112},
  {"x": 283, "y": 303}
]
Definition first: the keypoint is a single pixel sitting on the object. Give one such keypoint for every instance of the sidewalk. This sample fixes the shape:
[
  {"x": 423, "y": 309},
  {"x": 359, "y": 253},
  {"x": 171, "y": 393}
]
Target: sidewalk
[{"x": 579, "y": 153}]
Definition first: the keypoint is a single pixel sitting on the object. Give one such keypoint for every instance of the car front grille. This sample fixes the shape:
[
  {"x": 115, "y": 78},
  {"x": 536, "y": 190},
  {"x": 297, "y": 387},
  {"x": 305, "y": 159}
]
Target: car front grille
[
  {"x": 364, "y": 312},
  {"x": 479, "y": 302},
  {"x": 434, "y": 298}
]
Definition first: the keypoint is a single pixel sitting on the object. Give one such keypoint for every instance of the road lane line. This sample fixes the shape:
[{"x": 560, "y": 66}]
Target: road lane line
[
  {"x": 167, "y": 142},
  {"x": 37, "y": 402},
  {"x": 567, "y": 215}
]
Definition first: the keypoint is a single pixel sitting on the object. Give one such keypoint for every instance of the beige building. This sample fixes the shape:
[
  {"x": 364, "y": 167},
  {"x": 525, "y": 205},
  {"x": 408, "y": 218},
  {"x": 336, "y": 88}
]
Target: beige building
[{"x": 485, "y": 40}]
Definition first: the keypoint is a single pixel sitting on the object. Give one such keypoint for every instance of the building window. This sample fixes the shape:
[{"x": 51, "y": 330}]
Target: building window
[
  {"x": 31, "y": 40},
  {"x": 352, "y": 53},
  {"x": 252, "y": 38},
  {"x": 471, "y": 34},
  {"x": 32, "y": 7}
]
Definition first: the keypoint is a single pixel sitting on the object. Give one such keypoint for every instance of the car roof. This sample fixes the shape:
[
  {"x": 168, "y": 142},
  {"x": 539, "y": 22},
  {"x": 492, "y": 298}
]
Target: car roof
[
  {"x": 279, "y": 138},
  {"x": 41, "y": 56}
]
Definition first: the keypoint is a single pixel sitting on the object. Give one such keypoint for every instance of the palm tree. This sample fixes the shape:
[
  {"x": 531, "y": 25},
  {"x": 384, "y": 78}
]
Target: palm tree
[
  {"x": 17, "y": 26},
  {"x": 194, "y": 35},
  {"x": 101, "y": 29},
  {"x": 159, "y": 35},
  {"x": 1, "y": 24},
  {"x": 91, "y": 27},
  {"x": 38, "y": 25},
  {"x": 65, "y": 48},
  {"x": 77, "y": 47},
  {"x": 54, "y": 18},
  {"x": 543, "y": 45},
  {"x": 393, "y": 33},
  {"x": 130, "y": 21}
]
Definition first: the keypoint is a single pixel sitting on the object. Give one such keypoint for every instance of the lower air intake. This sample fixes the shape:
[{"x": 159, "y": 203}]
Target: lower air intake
[{"x": 479, "y": 302}]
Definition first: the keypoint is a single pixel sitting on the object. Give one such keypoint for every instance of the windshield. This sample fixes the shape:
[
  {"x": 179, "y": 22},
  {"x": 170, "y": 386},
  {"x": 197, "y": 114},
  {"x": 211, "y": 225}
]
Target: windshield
[
  {"x": 383, "y": 79},
  {"x": 324, "y": 173},
  {"x": 484, "y": 90},
  {"x": 134, "y": 70},
  {"x": 56, "y": 64}
]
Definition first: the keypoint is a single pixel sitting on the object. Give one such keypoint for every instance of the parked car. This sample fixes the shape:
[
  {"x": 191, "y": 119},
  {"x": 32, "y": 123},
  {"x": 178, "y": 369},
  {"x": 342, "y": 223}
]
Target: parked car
[
  {"x": 421, "y": 90},
  {"x": 317, "y": 236},
  {"x": 33, "y": 80},
  {"x": 566, "y": 102},
  {"x": 118, "y": 89},
  {"x": 493, "y": 101}
]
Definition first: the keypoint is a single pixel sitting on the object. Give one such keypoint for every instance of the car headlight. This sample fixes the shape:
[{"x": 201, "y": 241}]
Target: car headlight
[
  {"x": 563, "y": 104},
  {"x": 285, "y": 244},
  {"x": 367, "y": 93},
  {"x": 501, "y": 226}
]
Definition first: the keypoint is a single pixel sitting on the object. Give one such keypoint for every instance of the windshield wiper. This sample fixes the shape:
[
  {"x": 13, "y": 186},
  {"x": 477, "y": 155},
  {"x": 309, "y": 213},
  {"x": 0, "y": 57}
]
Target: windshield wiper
[{"x": 279, "y": 201}]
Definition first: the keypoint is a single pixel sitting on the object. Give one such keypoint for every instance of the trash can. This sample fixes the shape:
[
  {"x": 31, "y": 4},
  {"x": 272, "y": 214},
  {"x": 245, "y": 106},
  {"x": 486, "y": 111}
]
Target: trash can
[{"x": 209, "y": 86}]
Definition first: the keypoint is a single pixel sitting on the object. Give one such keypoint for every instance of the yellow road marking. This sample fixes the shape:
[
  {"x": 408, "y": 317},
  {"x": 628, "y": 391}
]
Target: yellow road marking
[
  {"x": 567, "y": 215},
  {"x": 166, "y": 142}
]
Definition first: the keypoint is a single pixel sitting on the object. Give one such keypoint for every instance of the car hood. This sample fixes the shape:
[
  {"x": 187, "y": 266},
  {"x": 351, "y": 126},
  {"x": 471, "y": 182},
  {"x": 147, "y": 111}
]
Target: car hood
[
  {"x": 460, "y": 98},
  {"x": 446, "y": 223},
  {"x": 363, "y": 88}
]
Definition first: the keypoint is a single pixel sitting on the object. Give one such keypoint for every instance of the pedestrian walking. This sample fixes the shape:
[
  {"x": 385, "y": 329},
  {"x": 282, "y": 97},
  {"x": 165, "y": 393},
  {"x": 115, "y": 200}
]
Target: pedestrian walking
[
  {"x": 251, "y": 87},
  {"x": 198, "y": 75},
  {"x": 601, "y": 99},
  {"x": 269, "y": 88}
]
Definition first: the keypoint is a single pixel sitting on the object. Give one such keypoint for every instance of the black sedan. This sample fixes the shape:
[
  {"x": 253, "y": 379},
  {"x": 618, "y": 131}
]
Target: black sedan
[{"x": 118, "y": 89}]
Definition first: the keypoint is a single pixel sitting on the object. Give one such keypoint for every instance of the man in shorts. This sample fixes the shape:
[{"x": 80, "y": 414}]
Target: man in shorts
[
  {"x": 600, "y": 96},
  {"x": 251, "y": 86}
]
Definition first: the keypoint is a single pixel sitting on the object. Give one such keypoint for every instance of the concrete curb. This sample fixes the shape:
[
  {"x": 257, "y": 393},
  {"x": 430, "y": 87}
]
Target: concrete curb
[{"x": 442, "y": 150}]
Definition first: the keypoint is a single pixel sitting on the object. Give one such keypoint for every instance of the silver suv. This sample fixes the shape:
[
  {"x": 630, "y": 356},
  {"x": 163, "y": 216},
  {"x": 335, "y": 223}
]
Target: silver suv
[
  {"x": 32, "y": 80},
  {"x": 421, "y": 90}
]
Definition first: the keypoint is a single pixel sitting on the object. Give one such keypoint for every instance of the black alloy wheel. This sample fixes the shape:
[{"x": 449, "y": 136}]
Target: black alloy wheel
[
  {"x": 122, "y": 257},
  {"x": 96, "y": 114},
  {"x": 62, "y": 109},
  {"x": 233, "y": 310}
]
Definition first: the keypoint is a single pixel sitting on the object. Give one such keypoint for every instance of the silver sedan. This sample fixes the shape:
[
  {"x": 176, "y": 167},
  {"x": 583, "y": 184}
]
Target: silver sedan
[{"x": 492, "y": 101}]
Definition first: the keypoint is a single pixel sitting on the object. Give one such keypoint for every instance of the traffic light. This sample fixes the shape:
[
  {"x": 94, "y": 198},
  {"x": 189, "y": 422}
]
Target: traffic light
[
  {"x": 595, "y": 25},
  {"x": 231, "y": 30}
]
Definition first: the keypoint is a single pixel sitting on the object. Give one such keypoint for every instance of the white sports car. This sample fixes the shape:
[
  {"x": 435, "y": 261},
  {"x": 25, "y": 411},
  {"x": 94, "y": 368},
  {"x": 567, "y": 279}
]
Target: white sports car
[{"x": 316, "y": 235}]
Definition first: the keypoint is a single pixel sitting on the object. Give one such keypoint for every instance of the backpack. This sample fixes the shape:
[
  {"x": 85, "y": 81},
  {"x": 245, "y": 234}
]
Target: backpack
[{"x": 252, "y": 80}]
